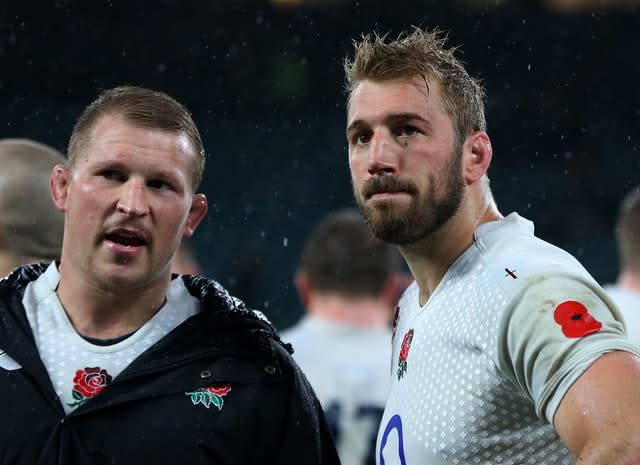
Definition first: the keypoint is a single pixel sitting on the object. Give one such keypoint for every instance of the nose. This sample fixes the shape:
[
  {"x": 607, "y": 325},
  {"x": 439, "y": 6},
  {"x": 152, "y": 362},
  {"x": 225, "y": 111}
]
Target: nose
[
  {"x": 133, "y": 199},
  {"x": 383, "y": 157}
]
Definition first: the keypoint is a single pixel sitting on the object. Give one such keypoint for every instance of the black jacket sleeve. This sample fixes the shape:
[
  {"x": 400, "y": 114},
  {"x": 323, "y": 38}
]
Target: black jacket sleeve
[{"x": 305, "y": 436}]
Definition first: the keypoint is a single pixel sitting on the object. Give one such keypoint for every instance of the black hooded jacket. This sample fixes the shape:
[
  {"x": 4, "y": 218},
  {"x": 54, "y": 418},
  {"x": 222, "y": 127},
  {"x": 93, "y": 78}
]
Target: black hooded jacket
[{"x": 158, "y": 410}]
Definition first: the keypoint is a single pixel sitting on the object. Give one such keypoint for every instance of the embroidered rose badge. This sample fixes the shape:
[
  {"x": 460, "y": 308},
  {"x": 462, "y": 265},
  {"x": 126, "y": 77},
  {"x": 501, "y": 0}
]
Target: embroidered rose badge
[
  {"x": 209, "y": 395},
  {"x": 575, "y": 319},
  {"x": 88, "y": 383},
  {"x": 404, "y": 353}
]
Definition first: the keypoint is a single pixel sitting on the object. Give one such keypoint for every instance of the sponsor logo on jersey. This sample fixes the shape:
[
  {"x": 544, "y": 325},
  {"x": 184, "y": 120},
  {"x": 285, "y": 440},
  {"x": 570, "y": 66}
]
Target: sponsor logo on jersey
[
  {"x": 208, "y": 396},
  {"x": 575, "y": 320}
]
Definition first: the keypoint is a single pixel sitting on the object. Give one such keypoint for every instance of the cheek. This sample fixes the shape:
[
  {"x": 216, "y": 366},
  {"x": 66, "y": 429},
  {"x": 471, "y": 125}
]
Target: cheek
[
  {"x": 174, "y": 218},
  {"x": 356, "y": 165}
]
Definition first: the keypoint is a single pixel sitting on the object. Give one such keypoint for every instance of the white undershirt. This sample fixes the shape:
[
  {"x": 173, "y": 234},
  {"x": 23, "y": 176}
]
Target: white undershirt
[{"x": 65, "y": 353}]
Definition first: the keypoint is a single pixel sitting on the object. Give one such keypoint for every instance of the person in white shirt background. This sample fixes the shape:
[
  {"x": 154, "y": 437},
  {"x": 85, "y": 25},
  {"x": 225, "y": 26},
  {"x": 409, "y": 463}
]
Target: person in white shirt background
[
  {"x": 625, "y": 292},
  {"x": 348, "y": 283}
]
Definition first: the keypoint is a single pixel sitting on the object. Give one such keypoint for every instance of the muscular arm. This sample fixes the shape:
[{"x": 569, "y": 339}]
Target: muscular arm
[{"x": 599, "y": 417}]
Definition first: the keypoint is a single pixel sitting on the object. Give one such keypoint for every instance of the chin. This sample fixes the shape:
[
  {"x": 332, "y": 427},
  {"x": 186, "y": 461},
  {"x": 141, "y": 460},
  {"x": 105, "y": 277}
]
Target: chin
[{"x": 119, "y": 278}]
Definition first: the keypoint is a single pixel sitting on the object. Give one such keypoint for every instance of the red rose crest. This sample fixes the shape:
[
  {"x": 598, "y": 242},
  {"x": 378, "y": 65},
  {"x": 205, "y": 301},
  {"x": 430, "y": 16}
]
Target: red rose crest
[
  {"x": 404, "y": 353},
  {"x": 88, "y": 383},
  {"x": 210, "y": 395},
  {"x": 575, "y": 319}
]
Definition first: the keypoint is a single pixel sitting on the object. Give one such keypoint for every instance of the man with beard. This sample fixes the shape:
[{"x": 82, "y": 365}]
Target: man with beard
[
  {"x": 505, "y": 349},
  {"x": 106, "y": 357}
]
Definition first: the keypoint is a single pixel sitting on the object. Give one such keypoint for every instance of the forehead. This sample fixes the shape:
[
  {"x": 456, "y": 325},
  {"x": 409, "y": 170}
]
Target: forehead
[
  {"x": 372, "y": 100},
  {"x": 114, "y": 137},
  {"x": 114, "y": 129}
]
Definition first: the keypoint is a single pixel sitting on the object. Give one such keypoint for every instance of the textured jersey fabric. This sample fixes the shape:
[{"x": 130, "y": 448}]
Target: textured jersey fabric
[
  {"x": 64, "y": 351},
  {"x": 628, "y": 303},
  {"x": 220, "y": 388},
  {"x": 479, "y": 371},
  {"x": 348, "y": 367}
]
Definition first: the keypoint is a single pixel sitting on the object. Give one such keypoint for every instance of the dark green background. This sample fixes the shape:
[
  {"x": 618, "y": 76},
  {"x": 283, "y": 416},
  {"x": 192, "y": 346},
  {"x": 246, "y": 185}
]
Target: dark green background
[{"x": 264, "y": 84}]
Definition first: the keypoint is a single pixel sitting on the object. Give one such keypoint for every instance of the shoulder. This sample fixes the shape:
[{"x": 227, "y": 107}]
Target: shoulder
[
  {"x": 14, "y": 283},
  {"x": 229, "y": 317},
  {"x": 213, "y": 297},
  {"x": 515, "y": 258}
]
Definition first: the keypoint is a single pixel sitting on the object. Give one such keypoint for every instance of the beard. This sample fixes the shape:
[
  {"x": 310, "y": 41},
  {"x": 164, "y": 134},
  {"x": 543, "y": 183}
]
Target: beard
[{"x": 427, "y": 212}]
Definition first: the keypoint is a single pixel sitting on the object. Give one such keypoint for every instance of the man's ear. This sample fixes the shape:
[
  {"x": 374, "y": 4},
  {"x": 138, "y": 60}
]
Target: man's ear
[
  {"x": 197, "y": 212},
  {"x": 476, "y": 156},
  {"x": 301, "y": 281},
  {"x": 59, "y": 186}
]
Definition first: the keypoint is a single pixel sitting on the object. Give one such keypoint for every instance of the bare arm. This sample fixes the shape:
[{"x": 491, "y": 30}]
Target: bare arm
[{"x": 599, "y": 417}]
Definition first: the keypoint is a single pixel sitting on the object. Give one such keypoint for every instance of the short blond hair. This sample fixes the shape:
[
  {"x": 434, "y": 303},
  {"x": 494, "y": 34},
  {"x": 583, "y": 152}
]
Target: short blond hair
[
  {"x": 142, "y": 107},
  {"x": 421, "y": 53}
]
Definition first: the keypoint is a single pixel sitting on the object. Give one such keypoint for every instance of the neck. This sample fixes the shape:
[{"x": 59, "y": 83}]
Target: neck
[
  {"x": 629, "y": 280},
  {"x": 370, "y": 312},
  {"x": 430, "y": 258},
  {"x": 108, "y": 313}
]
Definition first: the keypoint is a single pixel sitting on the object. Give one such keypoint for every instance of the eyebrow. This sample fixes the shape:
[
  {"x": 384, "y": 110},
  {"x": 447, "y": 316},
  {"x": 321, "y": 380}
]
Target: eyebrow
[{"x": 390, "y": 119}]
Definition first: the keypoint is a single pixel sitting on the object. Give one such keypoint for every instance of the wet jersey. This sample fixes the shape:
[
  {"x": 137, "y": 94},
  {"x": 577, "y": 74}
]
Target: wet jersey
[
  {"x": 348, "y": 368},
  {"x": 478, "y": 371}
]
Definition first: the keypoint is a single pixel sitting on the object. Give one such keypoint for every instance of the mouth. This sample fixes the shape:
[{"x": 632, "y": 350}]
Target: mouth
[
  {"x": 127, "y": 238},
  {"x": 386, "y": 194},
  {"x": 387, "y": 188}
]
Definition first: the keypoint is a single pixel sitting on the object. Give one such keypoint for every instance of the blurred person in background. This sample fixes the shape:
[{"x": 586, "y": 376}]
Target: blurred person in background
[
  {"x": 30, "y": 227},
  {"x": 348, "y": 283},
  {"x": 106, "y": 357},
  {"x": 626, "y": 290},
  {"x": 506, "y": 350}
]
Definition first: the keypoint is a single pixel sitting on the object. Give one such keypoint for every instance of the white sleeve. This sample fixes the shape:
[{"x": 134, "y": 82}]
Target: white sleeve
[{"x": 552, "y": 332}]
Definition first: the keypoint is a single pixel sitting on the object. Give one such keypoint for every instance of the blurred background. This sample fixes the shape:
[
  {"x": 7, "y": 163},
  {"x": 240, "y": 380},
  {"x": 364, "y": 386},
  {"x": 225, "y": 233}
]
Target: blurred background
[{"x": 264, "y": 81}]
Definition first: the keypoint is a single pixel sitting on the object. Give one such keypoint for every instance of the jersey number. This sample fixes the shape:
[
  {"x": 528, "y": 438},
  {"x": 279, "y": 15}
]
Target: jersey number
[{"x": 370, "y": 412}]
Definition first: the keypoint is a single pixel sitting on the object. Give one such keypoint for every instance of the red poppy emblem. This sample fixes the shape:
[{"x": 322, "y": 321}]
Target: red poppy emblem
[{"x": 575, "y": 319}]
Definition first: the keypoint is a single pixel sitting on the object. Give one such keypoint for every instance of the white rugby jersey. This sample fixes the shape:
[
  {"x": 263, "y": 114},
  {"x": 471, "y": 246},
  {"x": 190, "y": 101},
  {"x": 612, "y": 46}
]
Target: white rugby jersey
[
  {"x": 79, "y": 369},
  {"x": 628, "y": 303},
  {"x": 348, "y": 368},
  {"x": 479, "y": 371}
]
